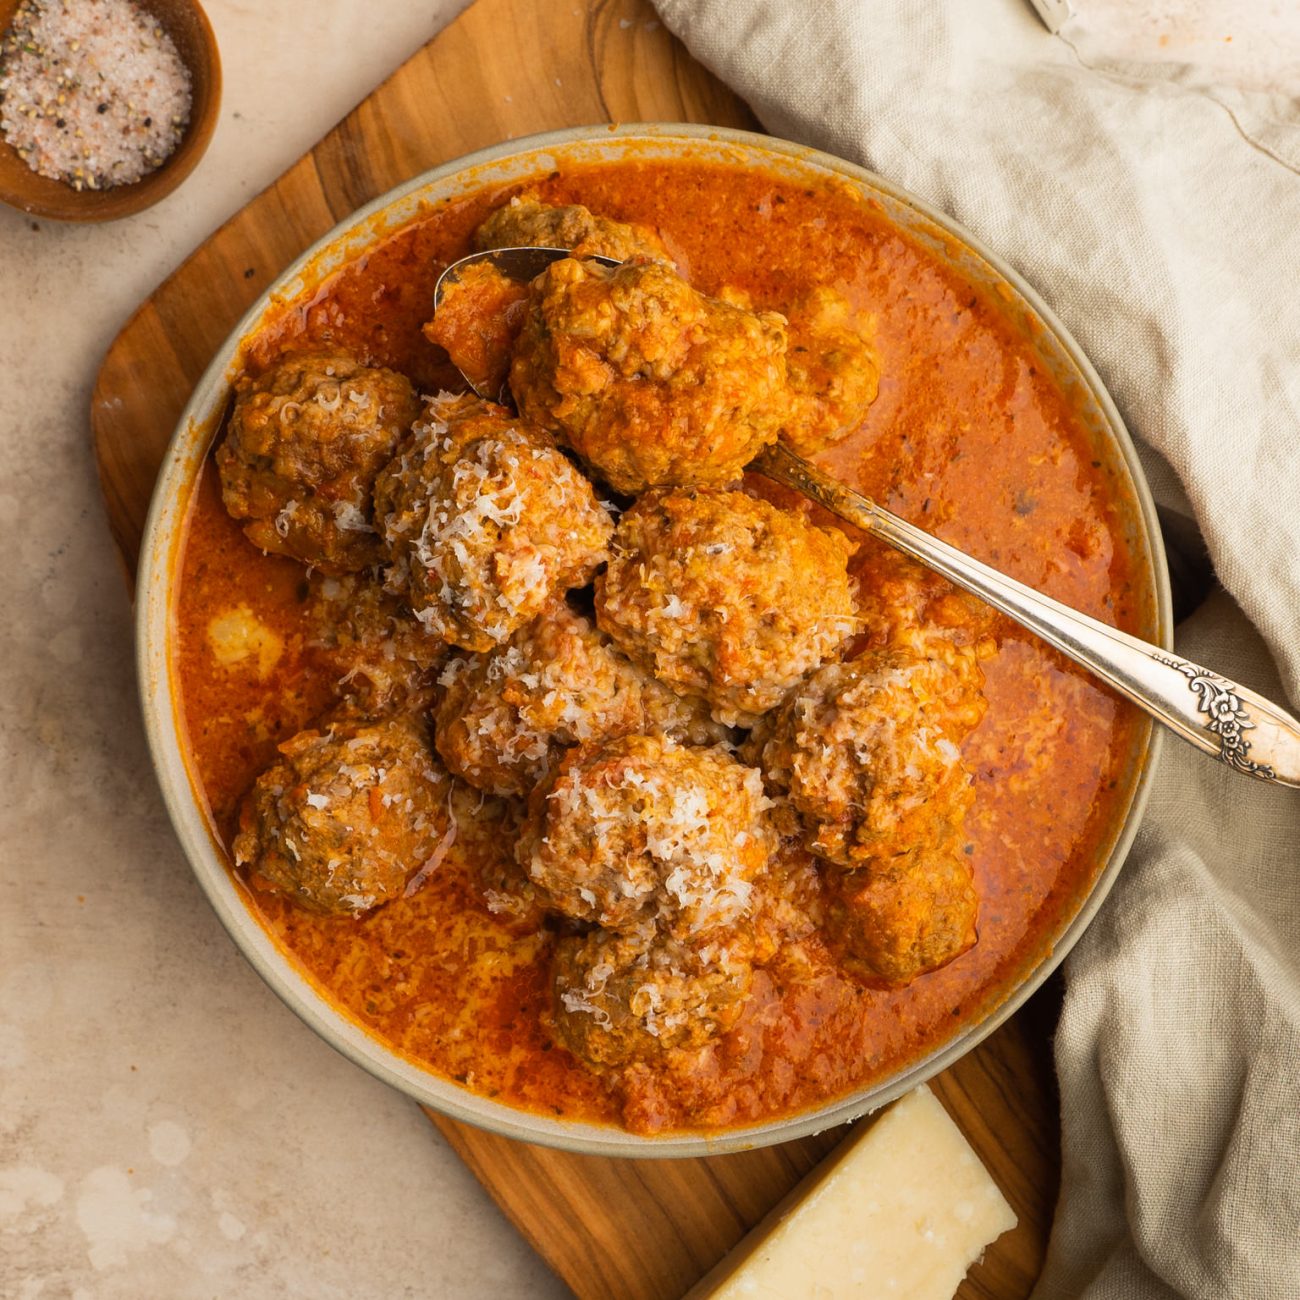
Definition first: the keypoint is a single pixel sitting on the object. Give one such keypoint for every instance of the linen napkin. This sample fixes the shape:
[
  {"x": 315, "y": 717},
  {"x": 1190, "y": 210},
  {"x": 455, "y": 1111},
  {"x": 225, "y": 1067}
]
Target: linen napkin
[{"x": 1153, "y": 200}]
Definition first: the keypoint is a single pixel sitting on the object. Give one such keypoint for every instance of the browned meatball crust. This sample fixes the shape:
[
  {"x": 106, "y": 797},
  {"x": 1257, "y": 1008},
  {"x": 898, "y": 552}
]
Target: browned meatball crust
[
  {"x": 486, "y": 522},
  {"x": 721, "y": 594},
  {"x": 624, "y": 997},
  {"x": 505, "y": 718},
  {"x": 832, "y": 373},
  {"x": 448, "y": 423},
  {"x": 641, "y": 828},
  {"x": 865, "y": 753},
  {"x": 304, "y": 444},
  {"x": 386, "y": 660},
  {"x": 527, "y": 222},
  {"x": 345, "y": 815},
  {"x": 647, "y": 379},
  {"x": 913, "y": 610},
  {"x": 891, "y": 926}
]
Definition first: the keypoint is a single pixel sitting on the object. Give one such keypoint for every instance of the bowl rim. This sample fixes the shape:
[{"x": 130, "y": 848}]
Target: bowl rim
[{"x": 157, "y": 576}]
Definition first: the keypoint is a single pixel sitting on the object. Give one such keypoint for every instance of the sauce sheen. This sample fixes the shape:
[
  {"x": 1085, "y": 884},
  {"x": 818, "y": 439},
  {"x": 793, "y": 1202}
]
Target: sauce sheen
[{"x": 970, "y": 437}]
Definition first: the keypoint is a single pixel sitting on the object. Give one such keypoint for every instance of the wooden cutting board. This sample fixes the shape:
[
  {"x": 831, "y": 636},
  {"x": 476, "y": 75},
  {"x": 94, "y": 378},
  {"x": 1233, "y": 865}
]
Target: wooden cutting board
[{"x": 612, "y": 1229}]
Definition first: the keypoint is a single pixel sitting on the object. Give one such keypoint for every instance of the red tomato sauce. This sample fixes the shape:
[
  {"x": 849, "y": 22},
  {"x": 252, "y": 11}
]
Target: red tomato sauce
[{"x": 970, "y": 437}]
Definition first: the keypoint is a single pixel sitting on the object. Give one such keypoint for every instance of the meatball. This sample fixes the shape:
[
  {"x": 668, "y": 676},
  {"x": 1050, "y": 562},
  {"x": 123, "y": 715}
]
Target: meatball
[
  {"x": 721, "y": 594},
  {"x": 448, "y": 423},
  {"x": 641, "y": 828},
  {"x": 890, "y": 926},
  {"x": 623, "y": 997},
  {"x": 506, "y": 892},
  {"x": 305, "y": 442},
  {"x": 832, "y": 373},
  {"x": 505, "y": 718},
  {"x": 477, "y": 321},
  {"x": 787, "y": 906},
  {"x": 913, "y": 610},
  {"x": 647, "y": 379},
  {"x": 345, "y": 815},
  {"x": 865, "y": 752},
  {"x": 386, "y": 660},
  {"x": 526, "y": 222},
  {"x": 484, "y": 532}
]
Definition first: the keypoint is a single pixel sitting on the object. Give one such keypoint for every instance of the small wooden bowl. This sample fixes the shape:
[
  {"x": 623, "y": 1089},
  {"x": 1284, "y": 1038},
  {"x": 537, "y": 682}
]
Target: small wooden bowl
[{"x": 187, "y": 25}]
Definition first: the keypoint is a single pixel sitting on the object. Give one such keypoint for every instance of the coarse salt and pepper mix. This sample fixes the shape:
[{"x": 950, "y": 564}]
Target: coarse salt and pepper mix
[{"x": 92, "y": 92}]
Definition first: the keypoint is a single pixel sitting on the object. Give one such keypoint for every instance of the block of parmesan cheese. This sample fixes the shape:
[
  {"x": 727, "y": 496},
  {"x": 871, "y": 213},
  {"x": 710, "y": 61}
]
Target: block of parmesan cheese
[{"x": 902, "y": 1210}]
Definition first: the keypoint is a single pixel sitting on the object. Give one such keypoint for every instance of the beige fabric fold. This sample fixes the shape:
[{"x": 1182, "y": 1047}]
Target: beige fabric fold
[{"x": 1156, "y": 208}]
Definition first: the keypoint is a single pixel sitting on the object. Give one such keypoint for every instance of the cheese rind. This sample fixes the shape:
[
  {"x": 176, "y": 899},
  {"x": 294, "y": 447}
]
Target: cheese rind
[{"x": 902, "y": 1210}]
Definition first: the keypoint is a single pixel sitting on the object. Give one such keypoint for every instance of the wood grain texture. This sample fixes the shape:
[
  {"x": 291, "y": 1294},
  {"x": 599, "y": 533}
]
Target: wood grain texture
[
  {"x": 612, "y": 1229},
  {"x": 650, "y": 1229},
  {"x": 505, "y": 68}
]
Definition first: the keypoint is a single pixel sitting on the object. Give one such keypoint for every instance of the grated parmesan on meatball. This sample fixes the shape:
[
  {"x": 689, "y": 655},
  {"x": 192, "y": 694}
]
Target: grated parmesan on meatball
[
  {"x": 486, "y": 521},
  {"x": 867, "y": 754},
  {"x": 648, "y": 380},
  {"x": 448, "y": 423},
  {"x": 345, "y": 815},
  {"x": 641, "y": 828},
  {"x": 721, "y": 594},
  {"x": 865, "y": 759},
  {"x": 913, "y": 610},
  {"x": 387, "y": 662},
  {"x": 623, "y": 997},
  {"x": 304, "y": 444},
  {"x": 527, "y": 222},
  {"x": 505, "y": 718}
]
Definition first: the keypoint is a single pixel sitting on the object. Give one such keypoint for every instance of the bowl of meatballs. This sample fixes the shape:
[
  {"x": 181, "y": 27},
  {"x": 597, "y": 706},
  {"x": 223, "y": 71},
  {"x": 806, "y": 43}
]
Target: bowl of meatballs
[{"x": 565, "y": 774}]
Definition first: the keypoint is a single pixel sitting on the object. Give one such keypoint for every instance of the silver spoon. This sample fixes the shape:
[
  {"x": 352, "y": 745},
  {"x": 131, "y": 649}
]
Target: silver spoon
[{"x": 1208, "y": 710}]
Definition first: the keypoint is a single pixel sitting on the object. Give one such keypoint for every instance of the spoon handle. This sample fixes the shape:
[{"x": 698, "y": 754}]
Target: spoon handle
[{"x": 1215, "y": 714}]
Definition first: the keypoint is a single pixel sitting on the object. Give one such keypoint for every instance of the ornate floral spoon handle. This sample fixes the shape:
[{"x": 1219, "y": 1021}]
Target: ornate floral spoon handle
[{"x": 1243, "y": 729}]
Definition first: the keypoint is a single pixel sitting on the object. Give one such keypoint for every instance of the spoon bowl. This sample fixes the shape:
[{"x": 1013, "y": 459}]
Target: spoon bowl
[{"x": 524, "y": 263}]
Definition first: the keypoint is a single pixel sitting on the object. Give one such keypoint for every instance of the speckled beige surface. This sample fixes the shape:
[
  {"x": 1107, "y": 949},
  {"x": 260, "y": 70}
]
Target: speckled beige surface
[{"x": 167, "y": 1128}]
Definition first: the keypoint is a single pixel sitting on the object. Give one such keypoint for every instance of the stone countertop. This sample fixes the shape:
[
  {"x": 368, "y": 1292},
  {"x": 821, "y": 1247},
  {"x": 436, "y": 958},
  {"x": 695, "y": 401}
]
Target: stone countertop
[{"x": 167, "y": 1127}]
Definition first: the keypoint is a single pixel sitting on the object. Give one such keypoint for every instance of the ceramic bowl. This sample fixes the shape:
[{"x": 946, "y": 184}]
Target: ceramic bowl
[
  {"x": 187, "y": 25},
  {"x": 514, "y": 162}
]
